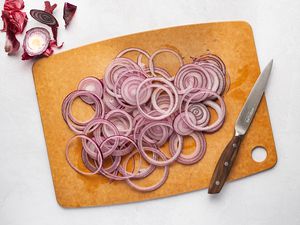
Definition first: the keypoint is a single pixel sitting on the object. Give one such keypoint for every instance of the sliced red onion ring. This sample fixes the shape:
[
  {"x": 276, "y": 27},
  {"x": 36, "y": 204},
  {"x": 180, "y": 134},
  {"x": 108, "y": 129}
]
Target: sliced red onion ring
[
  {"x": 211, "y": 59},
  {"x": 117, "y": 67},
  {"x": 127, "y": 50},
  {"x": 192, "y": 76},
  {"x": 161, "y": 72},
  {"x": 93, "y": 166},
  {"x": 142, "y": 148},
  {"x": 196, "y": 156},
  {"x": 117, "y": 139},
  {"x": 200, "y": 112},
  {"x": 95, "y": 127},
  {"x": 110, "y": 101},
  {"x": 161, "y": 80},
  {"x": 127, "y": 89},
  {"x": 142, "y": 173},
  {"x": 73, "y": 124},
  {"x": 122, "y": 120},
  {"x": 151, "y": 60},
  {"x": 99, "y": 156},
  {"x": 220, "y": 111},
  {"x": 93, "y": 85},
  {"x": 157, "y": 185},
  {"x": 180, "y": 126}
]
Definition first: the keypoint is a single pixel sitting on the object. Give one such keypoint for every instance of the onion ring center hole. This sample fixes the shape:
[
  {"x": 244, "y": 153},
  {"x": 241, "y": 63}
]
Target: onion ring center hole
[
  {"x": 151, "y": 179},
  {"x": 189, "y": 145},
  {"x": 168, "y": 62},
  {"x": 165, "y": 150},
  {"x": 81, "y": 111},
  {"x": 107, "y": 162},
  {"x": 75, "y": 151},
  {"x": 259, "y": 154},
  {"x": 134, "y": 163},
  {"x": 136, "y": 57},
  {"x": 213, "y": 114}
]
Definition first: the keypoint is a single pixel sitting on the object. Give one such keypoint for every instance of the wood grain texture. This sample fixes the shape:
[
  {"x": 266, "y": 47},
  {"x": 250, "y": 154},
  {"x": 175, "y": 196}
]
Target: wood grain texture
[
  {"x": 224, "y": 165},
  {"x": 59, "y": 74}
]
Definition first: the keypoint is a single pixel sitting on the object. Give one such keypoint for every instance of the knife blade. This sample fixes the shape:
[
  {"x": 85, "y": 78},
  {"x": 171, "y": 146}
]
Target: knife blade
[{"x": 227, "y": 158}]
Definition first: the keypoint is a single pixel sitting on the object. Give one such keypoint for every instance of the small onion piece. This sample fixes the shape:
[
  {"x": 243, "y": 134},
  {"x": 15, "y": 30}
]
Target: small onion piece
[
  {"x": 36, "y": 41},
  {"x": 69, "y": 12},
  {"x": 12, "y": 44}
]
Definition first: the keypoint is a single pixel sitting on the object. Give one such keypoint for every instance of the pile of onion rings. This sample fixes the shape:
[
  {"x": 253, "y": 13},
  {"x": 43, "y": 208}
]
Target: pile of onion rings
[{"x": 139, "y": 107}]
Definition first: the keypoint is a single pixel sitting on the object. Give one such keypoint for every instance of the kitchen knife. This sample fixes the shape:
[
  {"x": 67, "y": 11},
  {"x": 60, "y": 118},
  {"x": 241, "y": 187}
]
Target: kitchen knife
[{"x": 242, "y": 124}]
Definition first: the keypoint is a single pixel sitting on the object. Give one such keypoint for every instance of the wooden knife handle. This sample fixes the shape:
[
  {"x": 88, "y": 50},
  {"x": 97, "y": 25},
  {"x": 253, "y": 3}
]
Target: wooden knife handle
[{"x": 224, "y": 165}]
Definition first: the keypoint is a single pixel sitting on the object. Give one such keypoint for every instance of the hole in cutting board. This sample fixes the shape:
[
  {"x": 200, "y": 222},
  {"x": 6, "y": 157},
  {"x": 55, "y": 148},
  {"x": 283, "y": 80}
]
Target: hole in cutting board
[{"x": 259, "y": 154}]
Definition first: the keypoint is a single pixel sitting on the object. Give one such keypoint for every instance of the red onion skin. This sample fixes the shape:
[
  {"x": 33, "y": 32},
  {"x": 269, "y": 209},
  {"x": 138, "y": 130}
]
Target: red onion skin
[
  {"x": 69, "y": 12},
  {"x": 14, "y": 22},
  {"x": 49, "y": 8},
  {"x": 13, "y": 5},
  {"x": 12, "y": 44}
]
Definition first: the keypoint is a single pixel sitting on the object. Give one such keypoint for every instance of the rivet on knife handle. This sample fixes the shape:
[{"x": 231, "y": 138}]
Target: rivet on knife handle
[{"x": 224, "y": 165}]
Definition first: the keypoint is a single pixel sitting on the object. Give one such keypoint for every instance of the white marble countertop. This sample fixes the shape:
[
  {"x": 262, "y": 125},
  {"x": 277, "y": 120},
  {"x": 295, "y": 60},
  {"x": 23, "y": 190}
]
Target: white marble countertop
[{"x": 272, "y": 197}]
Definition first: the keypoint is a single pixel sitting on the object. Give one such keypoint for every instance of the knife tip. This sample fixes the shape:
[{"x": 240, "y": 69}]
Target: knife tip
[
  {"x": 271, "y": 62},
  {"x": 269, "y": 66}
]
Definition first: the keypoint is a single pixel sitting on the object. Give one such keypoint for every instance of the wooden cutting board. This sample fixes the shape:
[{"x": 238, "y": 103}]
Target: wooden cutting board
[{"x": 59, "y": 74}]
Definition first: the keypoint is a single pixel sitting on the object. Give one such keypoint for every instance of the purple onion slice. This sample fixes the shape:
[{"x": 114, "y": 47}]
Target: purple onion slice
[{"x": 44, "y": 17}]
